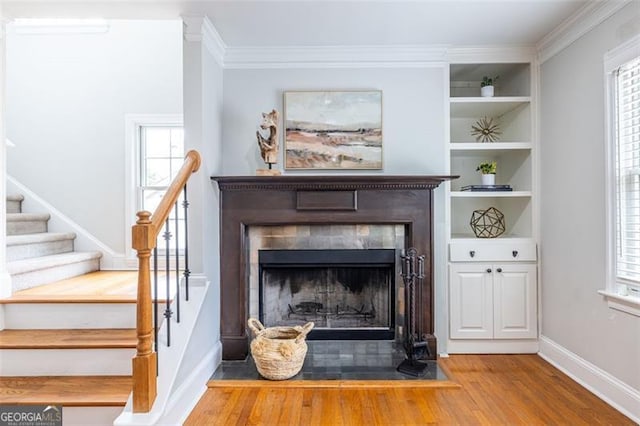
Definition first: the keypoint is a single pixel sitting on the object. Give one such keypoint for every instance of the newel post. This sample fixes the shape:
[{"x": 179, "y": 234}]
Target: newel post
[{"x": 144, "y": 363}]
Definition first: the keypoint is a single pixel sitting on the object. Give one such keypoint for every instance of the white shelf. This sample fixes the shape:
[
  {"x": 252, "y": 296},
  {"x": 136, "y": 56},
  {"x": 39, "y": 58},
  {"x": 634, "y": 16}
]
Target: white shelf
[
  {"x": 490, "y": 99},
  {"x": 491, "y": 107},
  {"x": 490, "y": 194},
  {"x": 502, "y": 239},
  {"x": 489, "y": 146}
]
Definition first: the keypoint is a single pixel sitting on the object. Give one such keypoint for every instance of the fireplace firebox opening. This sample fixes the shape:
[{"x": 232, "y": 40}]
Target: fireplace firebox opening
[{"x": 348, "y": 294}]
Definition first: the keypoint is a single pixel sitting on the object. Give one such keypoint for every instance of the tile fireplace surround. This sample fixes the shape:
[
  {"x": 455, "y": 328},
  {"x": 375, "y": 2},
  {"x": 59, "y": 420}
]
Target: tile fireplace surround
[{"x": 251, "y": 205}]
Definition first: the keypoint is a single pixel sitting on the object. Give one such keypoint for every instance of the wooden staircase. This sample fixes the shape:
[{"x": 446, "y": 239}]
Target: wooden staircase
[{"x": 69, "y": 342}]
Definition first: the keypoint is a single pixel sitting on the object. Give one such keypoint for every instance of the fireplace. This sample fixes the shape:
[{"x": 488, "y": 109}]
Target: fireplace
[
  {"x": 348, "y": 294},
  {"x": 247, "y": 202}
]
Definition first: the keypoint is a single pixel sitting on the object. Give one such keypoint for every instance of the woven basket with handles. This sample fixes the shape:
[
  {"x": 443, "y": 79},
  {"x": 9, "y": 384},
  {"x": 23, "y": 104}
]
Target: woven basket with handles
[{"x": 278, "y": 351}]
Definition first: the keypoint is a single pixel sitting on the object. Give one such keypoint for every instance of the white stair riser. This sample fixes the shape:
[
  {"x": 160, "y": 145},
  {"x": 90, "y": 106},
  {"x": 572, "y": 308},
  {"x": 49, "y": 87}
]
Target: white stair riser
[
  {"x": 23, "y": 227},
  {"x": 14, "y": 206},
  {"x": 83, "y": 416},
  {"x": 66, "y": 362},
  {"x": 71, "y": 315},
  {"x": 55, "y": 273},
  {"x": 27, "y": 251}
]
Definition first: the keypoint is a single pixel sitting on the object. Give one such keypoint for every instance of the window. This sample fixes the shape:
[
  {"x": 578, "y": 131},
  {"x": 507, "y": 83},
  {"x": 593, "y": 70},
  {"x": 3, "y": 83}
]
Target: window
[
  {"x": 155, "y": 153},
  {"x": 161, "y": 156},
  {"x": 622, "y": 68},
  {"x": 627, "y": 160}
]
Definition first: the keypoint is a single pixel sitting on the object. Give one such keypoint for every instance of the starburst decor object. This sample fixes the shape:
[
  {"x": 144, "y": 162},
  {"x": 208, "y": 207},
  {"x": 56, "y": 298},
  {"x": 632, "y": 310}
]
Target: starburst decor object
[
  {"x": 485, "y": 130},
  {"x": 487, "y": 223}
]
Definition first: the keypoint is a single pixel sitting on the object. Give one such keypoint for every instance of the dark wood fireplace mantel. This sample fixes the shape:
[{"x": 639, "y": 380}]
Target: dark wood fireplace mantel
[{"x": 316, "y": 200}]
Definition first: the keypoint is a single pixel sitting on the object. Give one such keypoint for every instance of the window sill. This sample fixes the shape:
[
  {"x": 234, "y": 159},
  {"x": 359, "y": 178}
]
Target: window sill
[{"x": 628, "y": 304}]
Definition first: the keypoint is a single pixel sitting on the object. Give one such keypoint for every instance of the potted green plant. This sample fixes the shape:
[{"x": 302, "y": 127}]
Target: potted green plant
[
  {"x": 486, "y": 86},
  {"x": 488, "y": 171}
]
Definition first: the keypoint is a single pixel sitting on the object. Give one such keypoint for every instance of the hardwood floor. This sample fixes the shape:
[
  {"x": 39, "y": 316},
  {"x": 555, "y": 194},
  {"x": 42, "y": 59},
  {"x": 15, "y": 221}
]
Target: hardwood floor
[{"x": 495, "y": 390}]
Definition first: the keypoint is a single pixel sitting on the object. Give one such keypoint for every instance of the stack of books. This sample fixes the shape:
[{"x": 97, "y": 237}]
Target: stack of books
[{"x": 486, "y": 188}]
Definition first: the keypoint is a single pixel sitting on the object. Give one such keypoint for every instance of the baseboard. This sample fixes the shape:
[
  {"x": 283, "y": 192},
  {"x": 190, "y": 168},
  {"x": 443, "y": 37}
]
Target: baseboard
[
  {"x": 185, "y": 398},
  {"x": 614, "y": 392},
  {"x": 502, "y": 346}
]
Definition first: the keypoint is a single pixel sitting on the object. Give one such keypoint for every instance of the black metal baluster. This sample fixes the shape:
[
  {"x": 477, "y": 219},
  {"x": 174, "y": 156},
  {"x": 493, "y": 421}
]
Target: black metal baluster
[
  {"x": 177, "y": 251},
  {"x": 187, "y": 272},
  {"x": 167, "y": 311}
]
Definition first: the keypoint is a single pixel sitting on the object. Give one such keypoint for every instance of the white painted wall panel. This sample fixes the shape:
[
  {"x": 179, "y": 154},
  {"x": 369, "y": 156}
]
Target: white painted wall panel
[
  {"x": 413, "y": 113},
  {"x": 573, "y": 205},
  {"x": 67, "y": 96}
]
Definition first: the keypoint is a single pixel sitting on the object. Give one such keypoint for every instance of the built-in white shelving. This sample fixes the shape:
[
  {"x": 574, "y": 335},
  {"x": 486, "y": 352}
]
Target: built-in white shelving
[{"x": 492, "y": 281}]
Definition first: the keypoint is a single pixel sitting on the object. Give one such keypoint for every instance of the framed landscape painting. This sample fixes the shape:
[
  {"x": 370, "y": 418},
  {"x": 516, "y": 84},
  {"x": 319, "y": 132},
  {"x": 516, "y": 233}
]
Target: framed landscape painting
[{"x": 333, "y": 130}]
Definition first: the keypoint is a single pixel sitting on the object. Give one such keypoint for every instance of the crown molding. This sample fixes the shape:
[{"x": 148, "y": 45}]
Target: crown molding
[
  {"x": 198, "y": 28},
  {"x": 334, "y": 56},
  {"x": 577, "y": 25}
]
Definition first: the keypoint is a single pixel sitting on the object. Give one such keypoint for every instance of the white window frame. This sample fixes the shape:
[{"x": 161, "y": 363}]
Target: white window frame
[
  {"x": 133, "y": 123},
  {"x": 619, "y": 295}
]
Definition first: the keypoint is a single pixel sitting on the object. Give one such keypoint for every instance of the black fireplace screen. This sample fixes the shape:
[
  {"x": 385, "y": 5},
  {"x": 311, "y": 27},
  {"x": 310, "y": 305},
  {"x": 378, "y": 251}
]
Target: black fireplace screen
[{"x": 348, "y": 294}]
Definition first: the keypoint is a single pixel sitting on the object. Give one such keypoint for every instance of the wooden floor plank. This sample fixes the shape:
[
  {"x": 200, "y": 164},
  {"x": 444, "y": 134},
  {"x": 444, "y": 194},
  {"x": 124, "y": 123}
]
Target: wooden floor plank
[
  {"x": 69, "y": 391},
  {"x": 108, "y": 338},
  {"x": 493, "y": 389}
]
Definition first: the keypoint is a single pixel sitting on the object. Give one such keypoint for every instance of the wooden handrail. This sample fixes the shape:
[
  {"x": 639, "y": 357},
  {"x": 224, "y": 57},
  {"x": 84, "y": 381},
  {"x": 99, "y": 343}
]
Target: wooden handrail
[{"x": 144, "y": 234}]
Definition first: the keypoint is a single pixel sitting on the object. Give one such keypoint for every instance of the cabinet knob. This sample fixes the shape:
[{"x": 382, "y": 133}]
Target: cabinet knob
[
  {"x": 499, "y": 269},
  {"x": 489, "y": 270},
  {"x": 472, "y": 253},
  {"x": 515, "y": 253}
]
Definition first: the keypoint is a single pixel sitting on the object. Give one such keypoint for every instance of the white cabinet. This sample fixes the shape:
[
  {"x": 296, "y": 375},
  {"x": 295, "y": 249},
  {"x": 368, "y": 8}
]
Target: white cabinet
[{"x": 493, "y": 301}]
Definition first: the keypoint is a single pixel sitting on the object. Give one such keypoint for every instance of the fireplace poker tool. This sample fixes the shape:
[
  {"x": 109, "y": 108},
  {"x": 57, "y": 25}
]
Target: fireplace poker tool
[{"x": 415, "y": 345}]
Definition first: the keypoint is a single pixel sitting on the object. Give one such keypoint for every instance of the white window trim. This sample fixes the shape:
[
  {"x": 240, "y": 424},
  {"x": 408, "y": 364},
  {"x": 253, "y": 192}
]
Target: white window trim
[
  {"x": 616, "y": 299},
  {"x": 133, "y": 122}
]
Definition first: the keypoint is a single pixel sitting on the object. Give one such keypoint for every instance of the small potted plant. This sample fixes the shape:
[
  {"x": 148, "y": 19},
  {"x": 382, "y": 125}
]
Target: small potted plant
[
  {"x": 488, "y": 171},
  {"x": 486, "y": 86}
]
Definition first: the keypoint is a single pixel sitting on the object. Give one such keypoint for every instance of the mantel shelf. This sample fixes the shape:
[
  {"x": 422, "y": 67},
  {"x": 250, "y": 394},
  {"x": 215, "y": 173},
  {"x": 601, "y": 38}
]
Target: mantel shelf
[{"x": 330, "y": 182}]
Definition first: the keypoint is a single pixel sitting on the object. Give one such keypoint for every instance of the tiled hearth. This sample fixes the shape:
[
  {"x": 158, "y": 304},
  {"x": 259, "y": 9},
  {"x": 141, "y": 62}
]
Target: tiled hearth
[{"x": 339, "y": 360}]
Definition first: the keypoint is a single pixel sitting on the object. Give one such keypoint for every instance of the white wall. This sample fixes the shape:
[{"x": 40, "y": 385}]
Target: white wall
[
  {"x": 203, "y": 91},
  {"x": 414, "y": 130},
  {"x": 413, "y": 113},
  {"x": 573, "y": 205},
  {"x": 67, "y": 96}
]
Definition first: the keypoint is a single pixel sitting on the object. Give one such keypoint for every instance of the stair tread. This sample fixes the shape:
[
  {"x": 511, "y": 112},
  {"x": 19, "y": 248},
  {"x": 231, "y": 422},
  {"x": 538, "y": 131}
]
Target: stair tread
[
  {"x": 41, "y": 237},
  {"x": 69, "y": 391},
  {"x": 27, "y": 217},
  {"x": 50, "y": 261},
  {"x": 108, "y": 338},
  {"x": 94, "y": 287},
  {"x": 15, "y": 197}
]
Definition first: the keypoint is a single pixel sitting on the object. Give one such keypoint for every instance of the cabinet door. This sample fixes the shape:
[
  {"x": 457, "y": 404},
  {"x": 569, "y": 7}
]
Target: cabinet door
[
  {"x": 471, "y": 301},
  {"x": 515, "y": 301}
]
